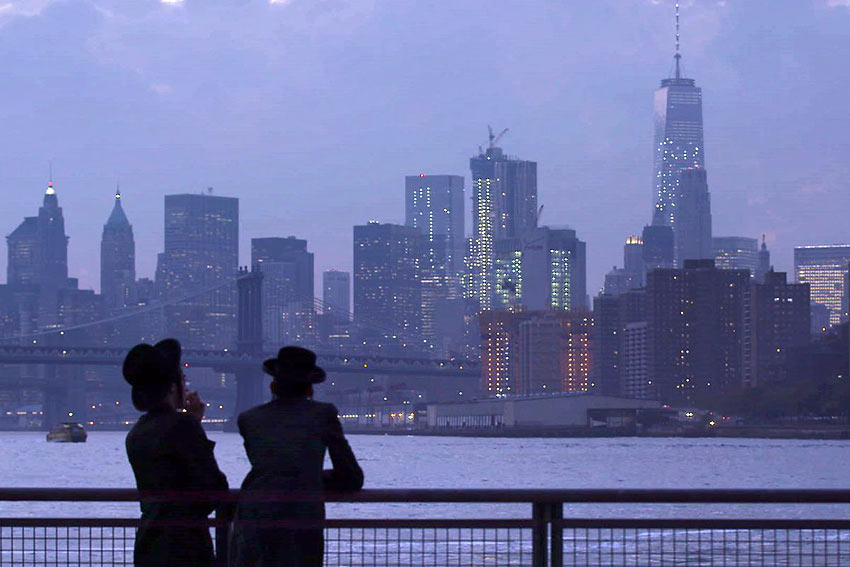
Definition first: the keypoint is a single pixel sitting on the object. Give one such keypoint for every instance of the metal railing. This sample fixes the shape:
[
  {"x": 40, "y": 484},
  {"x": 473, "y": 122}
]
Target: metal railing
[{"x": 543, "y": 537}]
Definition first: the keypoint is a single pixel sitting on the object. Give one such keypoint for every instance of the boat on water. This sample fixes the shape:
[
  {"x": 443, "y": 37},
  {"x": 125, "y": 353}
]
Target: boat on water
[{"x": 67, "y": 433}]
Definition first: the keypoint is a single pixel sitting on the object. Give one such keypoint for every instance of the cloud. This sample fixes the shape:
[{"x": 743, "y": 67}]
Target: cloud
[
  {"x": 21, "y": 8},
  {"x": 838, "y": 3},
  {"x": 161, "y": 89}
]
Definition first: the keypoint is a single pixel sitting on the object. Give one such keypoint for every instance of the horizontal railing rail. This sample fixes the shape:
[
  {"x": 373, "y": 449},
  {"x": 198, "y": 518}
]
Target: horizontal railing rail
[
  {"x": 429, "y": 495},
  {"x": 540, "y": 539}
]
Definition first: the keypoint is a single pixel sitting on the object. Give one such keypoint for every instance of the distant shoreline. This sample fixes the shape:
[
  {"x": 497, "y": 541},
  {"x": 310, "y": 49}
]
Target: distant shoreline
[
  {"x": 835, "y": 433},
  {"x": 824, "y": 432}
]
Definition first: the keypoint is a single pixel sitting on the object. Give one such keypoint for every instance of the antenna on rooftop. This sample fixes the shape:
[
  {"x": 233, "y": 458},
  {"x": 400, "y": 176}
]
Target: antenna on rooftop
[{"x": 678, "y": 55}]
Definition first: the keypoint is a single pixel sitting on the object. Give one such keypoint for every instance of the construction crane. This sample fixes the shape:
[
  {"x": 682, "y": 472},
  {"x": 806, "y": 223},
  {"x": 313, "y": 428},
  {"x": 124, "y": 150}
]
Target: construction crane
[{"x": 494, "y": 138}]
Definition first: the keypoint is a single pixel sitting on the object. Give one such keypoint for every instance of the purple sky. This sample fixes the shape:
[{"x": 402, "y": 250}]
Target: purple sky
[{"x": 313, "y": 111}]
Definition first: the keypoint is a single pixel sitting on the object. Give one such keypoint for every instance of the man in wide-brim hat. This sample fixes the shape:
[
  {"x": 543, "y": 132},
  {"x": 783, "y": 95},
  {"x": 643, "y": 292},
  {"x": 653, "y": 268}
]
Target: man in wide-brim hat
[
  {"x": 169, "y": 451},
  {"x": 294, "y": 365},
  {"x": 286, "y": 441}
]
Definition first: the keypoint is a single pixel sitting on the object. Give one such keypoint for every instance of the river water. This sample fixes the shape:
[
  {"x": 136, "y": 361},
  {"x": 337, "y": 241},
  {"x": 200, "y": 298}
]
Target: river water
[{"x": 27, "y": 460}]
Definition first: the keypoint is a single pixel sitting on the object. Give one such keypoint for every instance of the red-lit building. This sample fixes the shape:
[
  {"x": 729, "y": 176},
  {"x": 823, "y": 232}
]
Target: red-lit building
[{"x": 535, "y": 352}]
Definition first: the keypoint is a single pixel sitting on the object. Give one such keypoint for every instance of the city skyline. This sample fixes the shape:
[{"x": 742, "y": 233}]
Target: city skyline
[{"x": 759, "y": 184}]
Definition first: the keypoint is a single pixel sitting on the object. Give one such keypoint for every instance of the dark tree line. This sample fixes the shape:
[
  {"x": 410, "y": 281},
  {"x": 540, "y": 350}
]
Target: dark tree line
[{"x": 818, "y": 385}]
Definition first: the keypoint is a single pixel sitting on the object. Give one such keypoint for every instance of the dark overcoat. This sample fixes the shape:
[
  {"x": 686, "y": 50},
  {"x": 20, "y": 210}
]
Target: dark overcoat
[
  {"x": 169, "y": 451},
  {"x": 286, "y": 440}
]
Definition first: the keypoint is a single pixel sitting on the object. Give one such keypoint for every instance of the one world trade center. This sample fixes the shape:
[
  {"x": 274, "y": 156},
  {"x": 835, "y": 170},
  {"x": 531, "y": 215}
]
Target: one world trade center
[{"x": 681, "y": 196}]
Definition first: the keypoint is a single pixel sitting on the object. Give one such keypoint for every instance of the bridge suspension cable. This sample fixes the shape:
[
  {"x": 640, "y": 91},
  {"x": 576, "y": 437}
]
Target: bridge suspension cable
[{"x": 127, "y": 314}]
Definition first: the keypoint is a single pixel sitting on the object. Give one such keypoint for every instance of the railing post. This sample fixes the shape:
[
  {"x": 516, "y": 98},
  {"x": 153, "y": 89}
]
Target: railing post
[
  {"x": 557, "y": 533},
  {"x": 223, "y": 517},
  {"x": 539, "y": 534}
]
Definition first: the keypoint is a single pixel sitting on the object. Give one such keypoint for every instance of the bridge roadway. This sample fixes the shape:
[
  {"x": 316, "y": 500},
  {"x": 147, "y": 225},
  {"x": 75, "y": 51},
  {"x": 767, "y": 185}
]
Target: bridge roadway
[{"x": 229, "y": 361}]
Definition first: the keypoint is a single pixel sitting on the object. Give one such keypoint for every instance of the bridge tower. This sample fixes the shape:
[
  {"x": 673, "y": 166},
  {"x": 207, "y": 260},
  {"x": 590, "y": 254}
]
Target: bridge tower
[{"x": 250, "y": 389}]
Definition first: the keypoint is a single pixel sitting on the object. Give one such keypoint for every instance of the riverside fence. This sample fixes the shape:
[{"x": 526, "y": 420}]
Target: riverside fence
[{"x": 542, "y": 537}]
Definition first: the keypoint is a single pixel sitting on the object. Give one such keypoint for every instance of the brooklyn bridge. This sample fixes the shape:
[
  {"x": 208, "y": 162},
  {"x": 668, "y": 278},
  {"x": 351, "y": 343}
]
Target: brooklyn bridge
[{"x": 435, "y": 378}]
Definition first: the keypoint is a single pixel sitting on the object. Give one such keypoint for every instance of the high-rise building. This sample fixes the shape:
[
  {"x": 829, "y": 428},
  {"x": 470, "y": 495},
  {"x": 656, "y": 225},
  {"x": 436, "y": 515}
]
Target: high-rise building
[
  {"x": 633, "y": 273},
  {"x": 434, "y": 205},
  {"x": 499, "y": 331},
  {"x": 763, "y": 263},
  {"x": 547, "y": 269},
  {"x": 658, "y": 247},
  {"x": 736, "y": 253},
  {"x": 117, "y": 259},
  {"x": 618, "y": 281},
  {"x": 620, "y": 367},
  {"x": 678, "y": 146},
  {"x": 820, "y": 319},
  {"x": 336, "y": 294},
  {"x": 633, "y": 260},
  {"x": 693, "y": 224},
  {"x": 37, "y": 266},
  {"x": 387, "y": 291},
  {"x": 824, "y": 269},
  {"x": 607, "y": 331},
  {"x": 699, "y": 331},
  {"x": 553, "y": 352},
  {"x": 635, "y": 379},
  {"x": 288, "y": 290},
  {"x": 23, "y": 266},
  {"x": 44, "y": 298},
  {"x": 198, "y": 269},
  {"x": 504, "y": 205},
  {"x": 52, "y": 240},
  {"x": 534, "y": 352},
  {"x": 781, "y": 321}
]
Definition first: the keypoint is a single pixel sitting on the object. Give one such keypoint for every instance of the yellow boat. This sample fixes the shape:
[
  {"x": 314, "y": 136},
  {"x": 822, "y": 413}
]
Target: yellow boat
[{"x": 67, "y": 433}]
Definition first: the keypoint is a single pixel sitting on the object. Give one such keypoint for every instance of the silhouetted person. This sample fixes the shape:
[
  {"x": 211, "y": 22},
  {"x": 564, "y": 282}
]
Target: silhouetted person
[
  {"x": 169, "y": 451},
  {"x": 286, "y": 440}
]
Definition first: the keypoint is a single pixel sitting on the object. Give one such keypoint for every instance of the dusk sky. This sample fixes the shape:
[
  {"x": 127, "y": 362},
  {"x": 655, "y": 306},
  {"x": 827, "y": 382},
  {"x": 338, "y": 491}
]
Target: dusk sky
[{"x": 313, "y": 111}]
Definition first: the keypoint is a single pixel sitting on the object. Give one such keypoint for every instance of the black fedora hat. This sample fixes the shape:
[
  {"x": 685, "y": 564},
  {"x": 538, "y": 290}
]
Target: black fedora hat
[
  {"x": 151, "y": 365},
  {"x": 294, "y": 364}
]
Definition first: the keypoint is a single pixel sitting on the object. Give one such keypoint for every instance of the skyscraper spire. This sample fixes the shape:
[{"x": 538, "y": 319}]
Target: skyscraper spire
[
  {"x": 678, "y": 55},
  {"x": 118, "y": 218},
  {"x": 117, "y": 258},
  {"x": 763, "y": 263}
]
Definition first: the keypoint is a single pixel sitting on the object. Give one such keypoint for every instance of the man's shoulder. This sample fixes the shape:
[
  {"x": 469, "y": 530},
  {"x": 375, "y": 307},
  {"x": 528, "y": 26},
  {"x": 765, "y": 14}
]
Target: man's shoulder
[
  {"x": 265, "y": 411},
  {"x": 256, "y": 412}
]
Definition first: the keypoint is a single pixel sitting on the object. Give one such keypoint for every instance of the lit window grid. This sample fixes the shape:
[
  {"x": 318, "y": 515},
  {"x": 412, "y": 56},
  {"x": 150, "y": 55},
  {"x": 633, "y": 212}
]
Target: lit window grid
[
  {"x": 559, "y": 295},
  {"x": 483, "y": 249},
  {"x": 826, "y": 282},
  {"x": 678, "y": 143},
  {"x": 577, "y": 357},
  {"x": 496, "y": 355},
  {"x": 508, "y": 269}
]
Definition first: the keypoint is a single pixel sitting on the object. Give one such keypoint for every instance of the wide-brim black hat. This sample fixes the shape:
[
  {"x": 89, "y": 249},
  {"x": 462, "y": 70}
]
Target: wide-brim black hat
[
  {"x": 150, "y": 365},
  {"x": 294, "y": 364}
]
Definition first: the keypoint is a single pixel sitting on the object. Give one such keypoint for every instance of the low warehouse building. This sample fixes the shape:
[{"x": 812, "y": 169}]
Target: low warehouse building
[{"x": 574, "y": 409}]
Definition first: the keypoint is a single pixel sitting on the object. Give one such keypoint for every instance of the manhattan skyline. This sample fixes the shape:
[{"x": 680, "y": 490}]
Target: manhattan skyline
[{"x": 320, "y": 142}]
